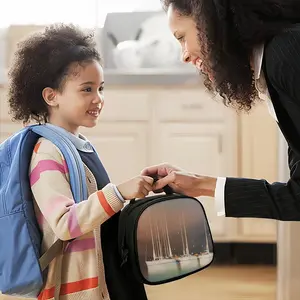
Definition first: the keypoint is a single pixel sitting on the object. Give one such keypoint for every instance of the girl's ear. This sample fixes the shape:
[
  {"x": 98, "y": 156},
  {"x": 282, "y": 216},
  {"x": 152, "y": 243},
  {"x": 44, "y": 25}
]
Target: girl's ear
[{"x": 49, "y": 96}]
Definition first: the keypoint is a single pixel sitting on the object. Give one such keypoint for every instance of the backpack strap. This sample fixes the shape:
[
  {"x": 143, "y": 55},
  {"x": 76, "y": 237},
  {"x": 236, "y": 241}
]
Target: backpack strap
[
  {"x": 50, "y": 254},
  {"x": 78, "y": 188},
  {"x": 72, "y": 157},
  {"x": 56, "y": 250}
]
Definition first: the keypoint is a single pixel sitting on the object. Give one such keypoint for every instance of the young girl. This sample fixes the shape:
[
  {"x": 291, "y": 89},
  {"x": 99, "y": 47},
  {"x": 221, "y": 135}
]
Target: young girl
[{"x": 56, "y": 78}]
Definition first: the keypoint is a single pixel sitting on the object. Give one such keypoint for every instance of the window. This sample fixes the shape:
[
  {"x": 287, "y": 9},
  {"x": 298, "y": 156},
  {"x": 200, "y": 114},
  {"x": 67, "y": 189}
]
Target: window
[{"x": 87, "y": 13}]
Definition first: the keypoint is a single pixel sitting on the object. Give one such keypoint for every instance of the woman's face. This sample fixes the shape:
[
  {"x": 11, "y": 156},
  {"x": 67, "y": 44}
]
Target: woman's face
[{"x": 185, "y": 31}]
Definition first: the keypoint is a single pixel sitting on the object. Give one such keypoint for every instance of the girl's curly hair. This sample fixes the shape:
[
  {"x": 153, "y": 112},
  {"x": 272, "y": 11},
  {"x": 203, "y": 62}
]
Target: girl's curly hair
[
  {"x": 43, "y": 60},
  {"x": 228, "y": 30}
]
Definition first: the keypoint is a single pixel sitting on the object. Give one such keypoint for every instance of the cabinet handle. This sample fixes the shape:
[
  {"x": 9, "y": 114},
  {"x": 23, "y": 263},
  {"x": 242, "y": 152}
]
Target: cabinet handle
[{"x": 192, "y": 106}]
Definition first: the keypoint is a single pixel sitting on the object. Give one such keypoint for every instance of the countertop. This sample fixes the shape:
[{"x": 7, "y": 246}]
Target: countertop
[{"x": 163, "y": 77}]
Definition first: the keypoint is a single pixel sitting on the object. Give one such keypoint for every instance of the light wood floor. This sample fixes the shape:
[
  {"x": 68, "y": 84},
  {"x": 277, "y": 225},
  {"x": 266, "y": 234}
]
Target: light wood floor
[
  {"x": 220, "y": 283},
  {"x": 217, "y": 283}
]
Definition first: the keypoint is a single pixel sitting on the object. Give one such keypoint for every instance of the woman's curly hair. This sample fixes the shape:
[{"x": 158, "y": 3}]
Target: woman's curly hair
[
  {"x": 228, "y": 31},
  {"x": 43, "y": 60}
]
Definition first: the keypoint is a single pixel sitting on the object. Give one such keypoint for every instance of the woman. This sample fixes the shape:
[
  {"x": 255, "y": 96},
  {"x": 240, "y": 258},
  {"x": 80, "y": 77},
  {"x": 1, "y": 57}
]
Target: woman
[{"x": 246, "y": 49}]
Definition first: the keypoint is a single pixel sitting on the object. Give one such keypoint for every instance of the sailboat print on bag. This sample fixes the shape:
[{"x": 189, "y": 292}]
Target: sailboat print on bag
[{"x": 173, "y": 239}]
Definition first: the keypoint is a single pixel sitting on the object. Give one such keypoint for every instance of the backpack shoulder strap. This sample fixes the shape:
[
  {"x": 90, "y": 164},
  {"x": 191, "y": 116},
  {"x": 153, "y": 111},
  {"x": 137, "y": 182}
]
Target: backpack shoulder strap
[{"x": 72, "y": 157}]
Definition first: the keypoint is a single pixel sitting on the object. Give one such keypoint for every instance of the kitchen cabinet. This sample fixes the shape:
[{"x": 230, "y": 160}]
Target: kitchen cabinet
[
  {"x": 148, "y": 125},
  {"x": 122, "y": 147},
  {"x": 185, "y": 127},
  {"x": 144, "y": 126},
  {"x": 198, "y": 134},
  {"x": 197, "y": 148},
  {"x": 258, "y": 152},
  {"x": 122, "y": 135}
]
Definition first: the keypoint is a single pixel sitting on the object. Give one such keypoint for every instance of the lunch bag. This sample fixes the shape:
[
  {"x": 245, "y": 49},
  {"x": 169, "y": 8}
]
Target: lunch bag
[{"x": 164, "y": 238}]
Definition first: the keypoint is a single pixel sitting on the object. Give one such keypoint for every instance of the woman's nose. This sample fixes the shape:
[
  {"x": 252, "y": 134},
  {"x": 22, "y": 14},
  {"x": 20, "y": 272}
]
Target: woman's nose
[{"x": 186, "y": 57}]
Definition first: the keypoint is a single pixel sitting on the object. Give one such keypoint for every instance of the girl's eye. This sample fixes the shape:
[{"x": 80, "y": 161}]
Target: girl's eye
[
  {"x": 101, "y": 88},
  {"x": 88, "y": 90}
]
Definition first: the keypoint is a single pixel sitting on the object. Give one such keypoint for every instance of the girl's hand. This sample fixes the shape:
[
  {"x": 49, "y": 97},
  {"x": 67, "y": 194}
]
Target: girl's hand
[{"x": 137, "y": 187}]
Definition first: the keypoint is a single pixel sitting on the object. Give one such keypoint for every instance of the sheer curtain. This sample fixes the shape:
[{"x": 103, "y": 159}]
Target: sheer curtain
[{"x": 86, "y": 13}]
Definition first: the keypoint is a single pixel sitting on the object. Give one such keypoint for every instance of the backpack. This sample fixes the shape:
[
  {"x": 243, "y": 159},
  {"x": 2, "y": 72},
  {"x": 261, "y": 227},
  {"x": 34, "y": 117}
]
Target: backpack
[
  {"x": 164, "y": 238},
  {"x": 21, "y": 263}
]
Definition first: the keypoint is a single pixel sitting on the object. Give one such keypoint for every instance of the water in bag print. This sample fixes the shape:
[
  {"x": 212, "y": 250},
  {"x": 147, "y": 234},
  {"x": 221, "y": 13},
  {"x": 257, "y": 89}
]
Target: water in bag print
[{"x": 173, "y": 240}]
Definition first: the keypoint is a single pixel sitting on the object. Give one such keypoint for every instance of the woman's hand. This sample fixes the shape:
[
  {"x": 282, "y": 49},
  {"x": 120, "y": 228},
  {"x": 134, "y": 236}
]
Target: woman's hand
[
  {"x": 137, "y": 187},
  {"x": 180, "y": 180}
]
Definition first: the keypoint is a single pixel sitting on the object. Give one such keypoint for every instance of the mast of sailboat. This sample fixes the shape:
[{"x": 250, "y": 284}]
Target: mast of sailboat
[
  {"x": 159, "y": 242},
  {"x": 165, "y": 240},
  {"x": 206, "y": 238},
  {"x": 181, "y": 234},
  {"x": 152, "y": 239},
  {"x": 168, "y": 238},
  {"x": 185, "y": 236}
]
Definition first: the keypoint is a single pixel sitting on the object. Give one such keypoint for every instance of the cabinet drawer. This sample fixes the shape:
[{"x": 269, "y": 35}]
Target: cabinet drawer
[
  {"x": 188, "y": 105},
  {"x": 126, "y": 105}
]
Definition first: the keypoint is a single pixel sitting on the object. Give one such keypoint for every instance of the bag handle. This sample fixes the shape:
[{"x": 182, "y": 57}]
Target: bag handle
[{"x": 167, "y": 190}]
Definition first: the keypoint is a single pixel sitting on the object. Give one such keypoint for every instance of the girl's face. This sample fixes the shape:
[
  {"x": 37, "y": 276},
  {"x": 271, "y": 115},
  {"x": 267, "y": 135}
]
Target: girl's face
[
  {"x": 81, "y": 99},
  {"x": 185, "y": 31}
]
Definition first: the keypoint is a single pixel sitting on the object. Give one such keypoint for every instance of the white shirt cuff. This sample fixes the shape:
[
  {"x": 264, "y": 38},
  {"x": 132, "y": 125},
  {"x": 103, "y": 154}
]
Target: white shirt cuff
[{"x": 219, "y": 196}]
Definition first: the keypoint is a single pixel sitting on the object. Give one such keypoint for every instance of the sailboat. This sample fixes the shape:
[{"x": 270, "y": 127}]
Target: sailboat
[
  {"x": 206, "y": 257},
  {"x": 163, "y": 259},
  {"x": 161, "y": 247},
  {"x": 186, "y": 257}
]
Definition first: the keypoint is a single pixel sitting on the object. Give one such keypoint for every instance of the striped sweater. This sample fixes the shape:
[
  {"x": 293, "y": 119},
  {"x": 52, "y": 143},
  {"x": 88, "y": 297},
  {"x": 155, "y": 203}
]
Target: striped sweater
[{"x": 59, "y": 217}]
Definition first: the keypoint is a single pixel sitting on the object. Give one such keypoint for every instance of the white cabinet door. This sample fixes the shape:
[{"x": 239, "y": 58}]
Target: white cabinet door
[
  {"x": 122, "y": 147},
  {"x": 197, "y": 148}
]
